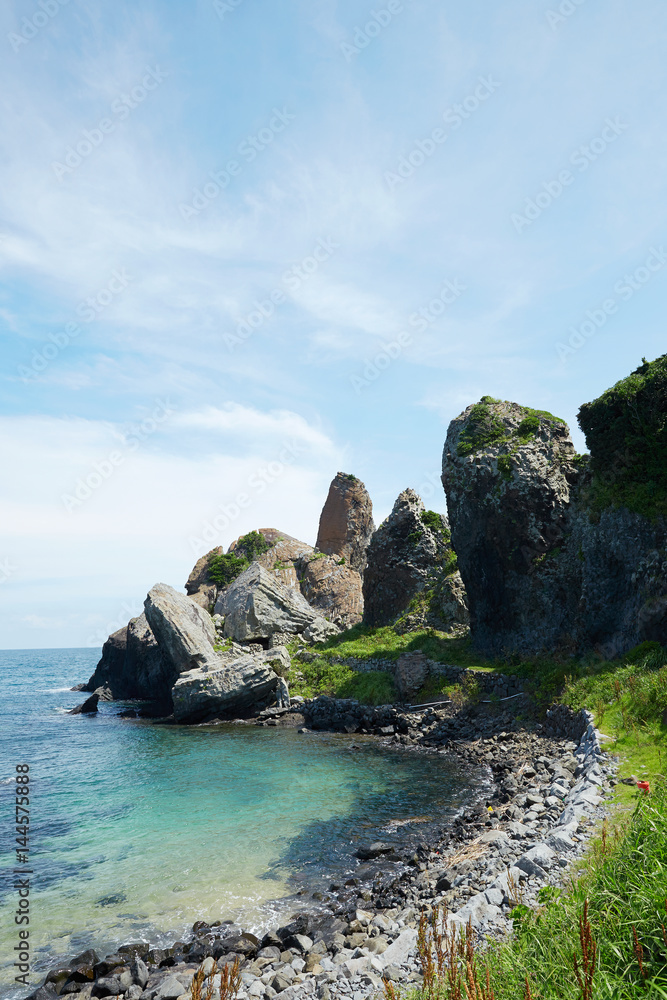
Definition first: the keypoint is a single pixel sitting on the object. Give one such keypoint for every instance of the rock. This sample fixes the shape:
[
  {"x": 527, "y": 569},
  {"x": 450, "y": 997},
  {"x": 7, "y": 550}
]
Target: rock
[
  {"x": 320, "y": 630},
  {"x": 559, "y": 842},
  {"x": 335, "y": 590},
  {"x": 132, "y": 666},
  {"x": 184, "y": 631},
  {"x": 43, "y": 993},
  {"x": 222, "y": 689},
  {"x": 410, "y": 674},
  {"x": 409, "y": 551},
  {"x": 256, "y": 605},
  {"x": 399, "y": 950},
  {"x": 374, "y": 850},
  {"x": 557, "y": 551},
  {"x": 199, "y": 585},
  {"x": 170, "y": 989},
  {"x": 89, "y": 706},
  {"x": 508, "y": 494},
  {"x": 139, "y": 972},
  {"x": 346, "y": 521}
]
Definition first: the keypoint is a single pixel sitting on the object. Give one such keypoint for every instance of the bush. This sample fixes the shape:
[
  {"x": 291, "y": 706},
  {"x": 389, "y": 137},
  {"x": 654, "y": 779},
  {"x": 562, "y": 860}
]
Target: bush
[{"x": 224, "y": 569}]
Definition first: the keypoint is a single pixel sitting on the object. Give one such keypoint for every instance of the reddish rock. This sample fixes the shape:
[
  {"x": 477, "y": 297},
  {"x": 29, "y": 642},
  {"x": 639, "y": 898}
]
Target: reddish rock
[
  {"x": 332, "y": 588},
  {"x": 346, "y": 522}
]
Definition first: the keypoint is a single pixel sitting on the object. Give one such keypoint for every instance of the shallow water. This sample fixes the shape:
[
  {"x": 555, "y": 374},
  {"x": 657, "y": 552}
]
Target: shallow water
[{"x": 139, "y": 829}]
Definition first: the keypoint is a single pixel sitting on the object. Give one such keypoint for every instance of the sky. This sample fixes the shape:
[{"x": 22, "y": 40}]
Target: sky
[{"x": 245, "y": 245}]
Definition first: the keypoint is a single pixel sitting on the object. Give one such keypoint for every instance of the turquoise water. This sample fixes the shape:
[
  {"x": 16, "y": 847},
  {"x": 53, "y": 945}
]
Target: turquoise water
[{"x": 139, "y": 829}]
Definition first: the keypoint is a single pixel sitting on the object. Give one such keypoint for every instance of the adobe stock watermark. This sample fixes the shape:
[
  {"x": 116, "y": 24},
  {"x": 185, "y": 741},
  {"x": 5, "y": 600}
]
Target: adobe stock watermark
[
  {"x": 102, "y": 471},
  {"x": 88, "y": 310},
  {"x": 454, "y": 117},
  {"x": 224, "y": 7},
  {"x": 256, "y": 484},
  {"x": 126, "y": 612},
  {"x": 31, "y": 26},
  {"x": 564, "y": 11},
  {"x": 625, "y": 289},
  {"x": 7, "y": 569},
  {"x": 248, "y": 150},
  {"x": 420, "y": 321},
  {"x": 363, "y": 35},
  {"x": 581, "y": 158},
  {"x": 93, "y": 138},
  {"x": 292, "y": 279}
]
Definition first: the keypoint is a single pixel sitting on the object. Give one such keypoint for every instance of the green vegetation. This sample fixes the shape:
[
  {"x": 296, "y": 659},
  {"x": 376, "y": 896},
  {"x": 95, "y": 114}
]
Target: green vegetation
[
  {"x": 335, "y": 679},
  {"x": 505, "y": 466},
  {"x": 626, "y": 432},
  {"x": 485, "y": 428},
  {"x": 223, "y": 569},
  {"x": 601, "y": 937},
  {"x": 433, "y": 520}
]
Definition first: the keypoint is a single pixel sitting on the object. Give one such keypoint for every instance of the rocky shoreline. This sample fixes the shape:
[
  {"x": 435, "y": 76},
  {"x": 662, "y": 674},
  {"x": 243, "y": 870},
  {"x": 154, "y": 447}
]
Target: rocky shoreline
[{"x": 546, "y": 789}]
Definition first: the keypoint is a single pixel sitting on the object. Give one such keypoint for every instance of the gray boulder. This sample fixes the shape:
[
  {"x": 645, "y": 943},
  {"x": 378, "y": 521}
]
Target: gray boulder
[
  {"x": 257, "y": 605},
  {"x": 89, "y": 707},
  {"x": 133, "y": 666},
  {"x": 184, "y": 631},
  {"x": 232, "y": 684}
]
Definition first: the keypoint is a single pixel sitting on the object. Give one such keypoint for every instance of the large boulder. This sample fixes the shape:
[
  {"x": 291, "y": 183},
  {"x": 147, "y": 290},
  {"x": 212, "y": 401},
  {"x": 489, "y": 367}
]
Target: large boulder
[
  {"x": 334, "y": 589},
  {"x": 184, "y": 631},
  {"x": 257, "y": 605},
  {"x": 235, "y": 683},
  {"x": 346, "y": 521},
  {"x": 409, "y": 553},
  {"x": 199, "y": 585},
  {"x": 508, "y": 473},
  {"x": 133, "y": 666}
]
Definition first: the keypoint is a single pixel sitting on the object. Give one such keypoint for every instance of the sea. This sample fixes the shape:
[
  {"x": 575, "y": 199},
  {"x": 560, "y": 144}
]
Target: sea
[{"x": 138, "y": 829}]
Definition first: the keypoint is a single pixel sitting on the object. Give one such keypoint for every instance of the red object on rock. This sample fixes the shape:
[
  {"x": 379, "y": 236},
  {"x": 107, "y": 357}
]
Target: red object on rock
[{"x": 644, "y": 786}]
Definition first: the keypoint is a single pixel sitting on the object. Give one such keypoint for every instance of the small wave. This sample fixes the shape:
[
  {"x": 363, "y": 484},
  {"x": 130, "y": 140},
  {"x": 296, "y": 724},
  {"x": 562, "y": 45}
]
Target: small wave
[
  {"x": 6, "y": 781},
  {"x": 55, "y": 690}
]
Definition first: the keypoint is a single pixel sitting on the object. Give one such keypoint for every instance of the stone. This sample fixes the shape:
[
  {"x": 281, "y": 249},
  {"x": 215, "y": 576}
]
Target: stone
[
  {"x": 256, "y": 605},
  {"x": 399, "y": 950},
  {"x": 184, "y": 631},
  {"x": 320, "y": 630},
  {"x": 373, "y": 851},
  {"x": 199, "y": 586},
  {"x": 170, "y": 989},
  {"x": 346, "y": 522},
  {"x": 559, "y": 842},
  {"x": 89, "y": 706},
  {"x": 332, "y": 588},
  {"x": 408, "y": 552},
  {"x": 139, "y": 972},
  {"x": 221, "y": 690},
  {"x": 507, "y": 497},
  {"x": 410, "y": 674}
]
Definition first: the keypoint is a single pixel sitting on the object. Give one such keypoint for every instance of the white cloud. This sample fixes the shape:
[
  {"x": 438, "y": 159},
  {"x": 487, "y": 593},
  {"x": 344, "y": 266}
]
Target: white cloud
[{"x": 140, "y": 520}]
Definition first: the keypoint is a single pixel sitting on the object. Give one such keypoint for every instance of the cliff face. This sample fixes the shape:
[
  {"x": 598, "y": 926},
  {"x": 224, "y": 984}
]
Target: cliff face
[
  {"x": 409, "y": 554},
  {"x": 559, "y": 551}
]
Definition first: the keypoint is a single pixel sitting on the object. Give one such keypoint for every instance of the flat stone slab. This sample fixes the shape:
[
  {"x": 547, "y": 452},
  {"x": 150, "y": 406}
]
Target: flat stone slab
[{"x": 398, "y": 950}]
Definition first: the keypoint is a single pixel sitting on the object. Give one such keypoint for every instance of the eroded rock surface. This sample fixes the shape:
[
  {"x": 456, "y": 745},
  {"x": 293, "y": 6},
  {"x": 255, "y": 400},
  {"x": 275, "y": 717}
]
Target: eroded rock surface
[
  {"x": 184, "y": 631},
  {"x": 508, "y": 476},
  {"x": 333, "y": 589},
  {"x": 233, "y": 683},
  {"x": 408, "y": 552},
  {"x": 346, "y": 521},
  {"x": 257, "y": 605}
]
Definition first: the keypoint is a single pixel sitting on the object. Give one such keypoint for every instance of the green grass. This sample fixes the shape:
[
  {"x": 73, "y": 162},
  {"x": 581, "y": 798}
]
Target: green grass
[
  {"x": 374, "y": 687},
  {"x": 625, "y": 883}
]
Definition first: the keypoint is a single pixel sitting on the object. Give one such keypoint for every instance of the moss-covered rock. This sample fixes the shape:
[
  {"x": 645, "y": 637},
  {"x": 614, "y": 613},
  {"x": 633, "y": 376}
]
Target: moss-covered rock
[{"x": 626, "y": 433}]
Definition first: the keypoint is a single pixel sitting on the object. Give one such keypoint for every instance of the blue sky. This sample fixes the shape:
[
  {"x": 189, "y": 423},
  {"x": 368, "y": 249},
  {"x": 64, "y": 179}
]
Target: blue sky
[{"x": 247, "y": 244}]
